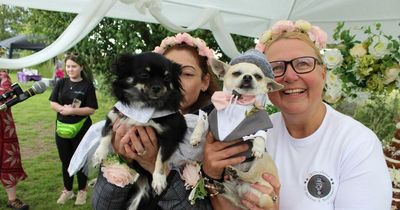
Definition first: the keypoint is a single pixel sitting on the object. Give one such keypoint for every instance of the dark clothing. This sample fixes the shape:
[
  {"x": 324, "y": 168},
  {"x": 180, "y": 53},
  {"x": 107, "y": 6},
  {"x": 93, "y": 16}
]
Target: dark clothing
[
  {"x": 66, "y": 92},
  {"x": 107, "y": 196},
  {"x": 66, "y": 149}
]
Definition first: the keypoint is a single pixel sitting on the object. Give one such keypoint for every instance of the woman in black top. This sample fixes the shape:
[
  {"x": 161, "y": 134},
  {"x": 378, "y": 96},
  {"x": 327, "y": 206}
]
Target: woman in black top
[{"x": 74, "y": 100}]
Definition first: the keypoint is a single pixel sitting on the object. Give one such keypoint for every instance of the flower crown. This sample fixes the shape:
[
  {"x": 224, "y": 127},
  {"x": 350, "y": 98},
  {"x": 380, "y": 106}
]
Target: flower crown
[
  {"x": 185, "y": 38},
  {"x": 316, "y": 35}
]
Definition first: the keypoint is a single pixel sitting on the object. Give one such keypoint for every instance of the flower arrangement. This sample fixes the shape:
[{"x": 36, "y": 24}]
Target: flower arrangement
[
  {"x": 364, "y": 67},
  {"x": 194, "y": 181},
  {"x": 318, "y": 36},
  {"x": 185, "y": 38},
  {"x": 117, "y": 172}
]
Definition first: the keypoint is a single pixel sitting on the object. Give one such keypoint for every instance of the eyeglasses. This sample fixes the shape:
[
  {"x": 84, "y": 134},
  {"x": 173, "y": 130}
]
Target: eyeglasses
[{"x": 301, "y": 65}]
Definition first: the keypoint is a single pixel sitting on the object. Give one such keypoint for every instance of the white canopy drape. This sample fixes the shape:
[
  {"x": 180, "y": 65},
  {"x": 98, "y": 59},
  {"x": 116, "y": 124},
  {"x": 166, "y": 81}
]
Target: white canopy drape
[{"x": 222, "y": 17}]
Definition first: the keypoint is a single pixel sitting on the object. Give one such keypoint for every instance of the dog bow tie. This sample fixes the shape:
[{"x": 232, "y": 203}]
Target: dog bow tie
[{"x": 222, "y": 99}]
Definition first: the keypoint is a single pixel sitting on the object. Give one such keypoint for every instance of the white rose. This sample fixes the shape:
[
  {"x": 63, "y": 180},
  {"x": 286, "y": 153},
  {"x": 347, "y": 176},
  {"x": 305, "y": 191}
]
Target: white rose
[
  {"x": 391, "y": 75},
  {"x": 358, "y": 51},
  {"x": 378, "y": 47},
  {"x": 119, "y": 174},
  {"x": 332, "y": 95},
  {"x": 333, "y": 88},
  {"x": 333, "y": 58}
]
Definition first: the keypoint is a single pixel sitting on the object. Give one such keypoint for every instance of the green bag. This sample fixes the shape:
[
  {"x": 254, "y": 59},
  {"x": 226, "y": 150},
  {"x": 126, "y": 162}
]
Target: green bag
[{"x": 69, "y": 131}]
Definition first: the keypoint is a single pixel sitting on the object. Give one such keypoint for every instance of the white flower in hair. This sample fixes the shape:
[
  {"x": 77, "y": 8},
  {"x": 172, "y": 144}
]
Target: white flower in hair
[{"x": 316, "y": 35}]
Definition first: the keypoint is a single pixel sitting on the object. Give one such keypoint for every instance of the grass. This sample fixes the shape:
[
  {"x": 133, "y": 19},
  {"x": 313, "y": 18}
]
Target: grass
[{"x": 35, "y": 123}]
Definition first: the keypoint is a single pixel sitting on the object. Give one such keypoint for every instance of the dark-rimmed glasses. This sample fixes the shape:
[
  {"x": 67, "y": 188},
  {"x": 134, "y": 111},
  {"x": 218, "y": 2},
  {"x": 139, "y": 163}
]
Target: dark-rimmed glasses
[{"x": 301, "y": 65}]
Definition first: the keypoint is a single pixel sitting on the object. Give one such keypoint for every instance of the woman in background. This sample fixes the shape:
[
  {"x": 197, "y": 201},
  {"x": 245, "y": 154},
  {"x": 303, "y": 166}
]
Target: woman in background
[
  {"x": 74, "y": 100},
  {"x": 11, "y": 171}
]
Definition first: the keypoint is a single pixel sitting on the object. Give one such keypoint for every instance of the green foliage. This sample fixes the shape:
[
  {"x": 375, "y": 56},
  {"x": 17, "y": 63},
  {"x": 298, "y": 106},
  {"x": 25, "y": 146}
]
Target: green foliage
[
  {"x": 379, "y": 114},
  {"x": 11, "y": 19},
  {"x": 35, "y": 123},
  {"x": 370, "y": 64},
  {"x": 270, "y": 109},
  {"x": 114, "y": 36}
]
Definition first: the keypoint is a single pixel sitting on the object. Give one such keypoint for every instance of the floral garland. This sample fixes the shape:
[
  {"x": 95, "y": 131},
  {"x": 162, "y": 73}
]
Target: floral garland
[
  {"x": 185, "y": 38},
  {"x": 316, "y": 35},
  {"x": 363, "y": 67}
]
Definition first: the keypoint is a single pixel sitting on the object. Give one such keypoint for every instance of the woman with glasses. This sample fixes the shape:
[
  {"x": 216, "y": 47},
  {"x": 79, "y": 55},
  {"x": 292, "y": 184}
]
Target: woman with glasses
[
  {"x": 74, "y": 100},
  {"x": 326, "y": 160}
]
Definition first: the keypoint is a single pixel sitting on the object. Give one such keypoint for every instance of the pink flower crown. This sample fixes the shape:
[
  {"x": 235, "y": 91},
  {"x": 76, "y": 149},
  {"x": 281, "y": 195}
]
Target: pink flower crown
[
  {"x": 185, "y": 38},
  {"x": 316, "y": 35}
]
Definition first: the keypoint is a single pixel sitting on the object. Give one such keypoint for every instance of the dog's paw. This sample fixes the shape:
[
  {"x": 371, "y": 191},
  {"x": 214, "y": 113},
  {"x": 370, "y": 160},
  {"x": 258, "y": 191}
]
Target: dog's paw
[
  {"x": 258, "y": 147},
  {"x": 195, "y": 141},
  {"x": 257, "y": 154},
  {"x": 159, "y": 182},
  {"x": 231, "y": 172}
]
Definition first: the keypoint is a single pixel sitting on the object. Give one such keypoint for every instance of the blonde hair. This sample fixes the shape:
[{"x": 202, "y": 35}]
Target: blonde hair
[{"x": 296, "y": 35}]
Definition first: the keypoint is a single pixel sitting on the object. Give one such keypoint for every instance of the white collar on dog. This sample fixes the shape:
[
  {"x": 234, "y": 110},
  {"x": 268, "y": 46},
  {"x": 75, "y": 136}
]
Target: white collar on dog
[{"x": 141, "y": 114}]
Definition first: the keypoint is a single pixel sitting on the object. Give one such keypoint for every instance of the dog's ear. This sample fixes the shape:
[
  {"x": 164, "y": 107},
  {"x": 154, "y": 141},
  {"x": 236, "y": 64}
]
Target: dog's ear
[
  {"x": 272, "y": 85},
  {"x": 122, "y": 63},
  {"x": 219, "y": 68}
]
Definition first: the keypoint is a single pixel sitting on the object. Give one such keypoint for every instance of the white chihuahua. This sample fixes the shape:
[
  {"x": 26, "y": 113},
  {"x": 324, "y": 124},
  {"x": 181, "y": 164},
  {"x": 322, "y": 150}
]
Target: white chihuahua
[{"x": 239, "y": 114}]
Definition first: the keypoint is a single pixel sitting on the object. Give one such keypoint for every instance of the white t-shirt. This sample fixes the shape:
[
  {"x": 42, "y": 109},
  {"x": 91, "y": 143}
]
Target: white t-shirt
[{"x": 340, "y": 166}]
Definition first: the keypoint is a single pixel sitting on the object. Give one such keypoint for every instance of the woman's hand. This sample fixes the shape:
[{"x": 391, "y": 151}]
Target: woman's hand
[
  {"x": 218, "y": 155},
  {"x": 251, "y": 201},
  {"x": 136, "y": 143}
]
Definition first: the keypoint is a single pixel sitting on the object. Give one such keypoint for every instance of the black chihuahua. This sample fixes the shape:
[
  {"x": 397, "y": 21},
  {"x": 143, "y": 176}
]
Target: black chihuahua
[{"x": 148, "y": 90}]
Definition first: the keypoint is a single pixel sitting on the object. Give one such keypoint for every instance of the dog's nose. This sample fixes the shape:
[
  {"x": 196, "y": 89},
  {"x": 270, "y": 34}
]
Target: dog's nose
[
  {"x": 156, "y": 88},
  {"x": 247, "y": 78}
]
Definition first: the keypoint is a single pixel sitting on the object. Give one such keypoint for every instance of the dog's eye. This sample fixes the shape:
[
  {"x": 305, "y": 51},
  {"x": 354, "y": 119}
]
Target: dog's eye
[
  {"x": 129, "y": 80},
  {"x": 167, "y": 78},
  {"x": 144, "y": 75},
  {"x": 236, "y": 73},
  {"x": 258, "y": 77}
]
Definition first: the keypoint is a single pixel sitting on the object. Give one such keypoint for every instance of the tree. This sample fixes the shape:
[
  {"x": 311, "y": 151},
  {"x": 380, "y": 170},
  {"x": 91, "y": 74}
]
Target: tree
[
  {"x": 114, "y": 36},
  {"x": 10, "y": 22}
]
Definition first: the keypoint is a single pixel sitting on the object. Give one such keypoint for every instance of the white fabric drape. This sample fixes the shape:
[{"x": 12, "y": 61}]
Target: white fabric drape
[{"x": 83, "y": 23}]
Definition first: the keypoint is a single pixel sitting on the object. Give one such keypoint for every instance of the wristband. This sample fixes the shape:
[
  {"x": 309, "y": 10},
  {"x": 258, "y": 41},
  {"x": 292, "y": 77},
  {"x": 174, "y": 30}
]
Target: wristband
[{"x": 210, "y": 179}]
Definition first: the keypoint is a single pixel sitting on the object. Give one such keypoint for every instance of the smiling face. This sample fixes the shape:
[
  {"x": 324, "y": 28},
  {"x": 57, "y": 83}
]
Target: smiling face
[
  {"x": 302, "y": 92},
  {"x": 73, "y": 70}
]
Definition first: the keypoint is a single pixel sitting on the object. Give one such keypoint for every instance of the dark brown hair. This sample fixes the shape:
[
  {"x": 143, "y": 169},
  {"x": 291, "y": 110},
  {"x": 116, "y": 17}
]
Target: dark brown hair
[
  {"x": 86, "y": 74},
  {"x": 205, "y": 96}
]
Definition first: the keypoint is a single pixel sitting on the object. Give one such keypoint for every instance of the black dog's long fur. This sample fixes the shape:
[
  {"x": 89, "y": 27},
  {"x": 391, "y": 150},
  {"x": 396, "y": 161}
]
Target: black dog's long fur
[
  {"x": 140, "y": 80},
  {"x": 128, "y": 65}
]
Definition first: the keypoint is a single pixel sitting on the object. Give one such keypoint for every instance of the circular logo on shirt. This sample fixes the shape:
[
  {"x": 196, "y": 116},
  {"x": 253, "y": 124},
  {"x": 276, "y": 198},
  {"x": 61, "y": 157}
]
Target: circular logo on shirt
[{"x": 319, "y": 186}]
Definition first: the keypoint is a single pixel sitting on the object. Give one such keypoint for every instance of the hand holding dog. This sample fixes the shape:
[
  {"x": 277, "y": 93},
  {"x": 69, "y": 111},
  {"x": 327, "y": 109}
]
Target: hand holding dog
[
  {"x": 251, "y": 200},
  {"x": 136, "y": 143},
  {"x": 218, "y": 155}
]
